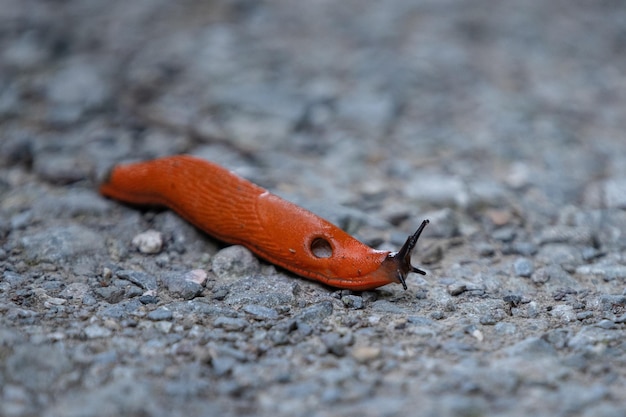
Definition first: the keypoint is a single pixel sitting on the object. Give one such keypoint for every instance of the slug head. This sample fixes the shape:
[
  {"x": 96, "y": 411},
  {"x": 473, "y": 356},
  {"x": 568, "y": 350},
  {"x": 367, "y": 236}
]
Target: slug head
[{"x": 398, "y": 264}]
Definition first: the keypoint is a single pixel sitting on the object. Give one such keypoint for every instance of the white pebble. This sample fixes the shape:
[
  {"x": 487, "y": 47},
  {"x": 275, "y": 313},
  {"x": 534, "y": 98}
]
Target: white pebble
[
  {"x": 148, "y": 242},
  {"x": 198, "y": 276}
]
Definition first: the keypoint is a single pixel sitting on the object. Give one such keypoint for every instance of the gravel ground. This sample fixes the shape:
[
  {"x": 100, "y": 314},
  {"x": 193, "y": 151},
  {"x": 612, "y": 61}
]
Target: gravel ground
[{"x": 501, "y": 121}]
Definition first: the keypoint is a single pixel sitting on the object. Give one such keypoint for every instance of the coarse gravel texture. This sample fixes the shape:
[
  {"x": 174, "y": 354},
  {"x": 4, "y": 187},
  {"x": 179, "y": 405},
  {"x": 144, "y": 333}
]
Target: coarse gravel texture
[{"x": 503, "y": 122}]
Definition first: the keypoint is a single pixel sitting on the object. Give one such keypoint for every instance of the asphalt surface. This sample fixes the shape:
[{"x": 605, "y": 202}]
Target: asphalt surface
[{"x": 502, "y": 122}]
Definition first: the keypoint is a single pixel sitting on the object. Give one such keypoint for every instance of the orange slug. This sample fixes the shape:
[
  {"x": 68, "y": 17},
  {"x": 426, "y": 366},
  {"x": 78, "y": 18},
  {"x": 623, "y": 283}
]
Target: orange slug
[{"x": 236, "y": 211}]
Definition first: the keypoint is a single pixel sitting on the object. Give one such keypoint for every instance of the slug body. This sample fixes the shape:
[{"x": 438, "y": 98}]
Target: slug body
[{"x": 237, "y": 211}]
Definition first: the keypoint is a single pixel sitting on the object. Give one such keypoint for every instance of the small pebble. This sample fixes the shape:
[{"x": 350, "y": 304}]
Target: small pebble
[
  {"x": 111, "y": 293},
  {"x": 521, "y": 248},
  {"x": 164, "y": 326},
  {"x": 260, "y": 312},
  {"x": 437, "y": 315},
  {"x": 499, "y": 217},
  {"x": 488, "y": 320},
  {"x": 352, "y": 301},
  {"x": 148, "y": 299},
  {"x": 504, "y": 234},
  {"x": 187, "y": 285},
  {"x": 485, "y": 249},
  {"x": 13, "y": 279},
  {"x": 146, "y": 281},
  {"x": 161, "y": 313},
  {"x": 456, "y": 289},
  {"x": 315, "y": 313},
  {"x": 523, "y": 267},
  {"x": 233, "y": 263},
  {"x": 513, "y": 299},
  {"x": 365, "y": 354},
  {"x": 563, "y": 312},
  {"x": 231, "y": 323},
  {"x": 148, "y": 242}
]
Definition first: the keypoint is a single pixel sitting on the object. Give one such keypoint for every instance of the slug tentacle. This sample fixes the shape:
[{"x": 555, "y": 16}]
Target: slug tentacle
[{"x": 403, "y": 256}]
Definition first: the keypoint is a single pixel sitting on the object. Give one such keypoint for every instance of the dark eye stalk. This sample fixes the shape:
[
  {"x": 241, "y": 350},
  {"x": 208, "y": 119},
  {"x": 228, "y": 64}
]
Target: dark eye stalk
[{"x": 403, "y": 256}]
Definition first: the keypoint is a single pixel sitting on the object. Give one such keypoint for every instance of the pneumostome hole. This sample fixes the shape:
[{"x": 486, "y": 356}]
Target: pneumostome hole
[{"x": 321, "y": 248}]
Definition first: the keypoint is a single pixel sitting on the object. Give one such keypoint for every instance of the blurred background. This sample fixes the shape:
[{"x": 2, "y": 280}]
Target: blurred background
[{"x": 371, "y": 97}]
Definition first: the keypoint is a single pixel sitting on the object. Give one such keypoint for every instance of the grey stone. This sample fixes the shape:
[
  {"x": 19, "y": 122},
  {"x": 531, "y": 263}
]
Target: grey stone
[
  {"x": 555, "y": 276},
  {"x": 231, "y": 323},
  {"x": 437, "y": 315},
  {"x": 77, "y": 291},
  {"x": 488, "y": 320},
  {"x": 352, "y": 301},
  {"x": 521, "y": 248},
  {"x": 139, "y": 278},
  {"x": 315, "y": 313},
  {"x": 182, "y": 285},
  {"x": 234, "y": 262},
  {"x": 253, "y": 294},
  {"x": 504, "y": 234},
  {"x": 523, "y": 267},
  {"x": 161, "y": 313},
  {"x": 563, "y": 312},
  {"x": 13, "y": 279},
  {"x": 260, "y": 312},
  {"x": 111, "y": 294},
  {"x": 485, "y": 249},
  {"x": 148, "y": 299},
  {"x": 456, "y": 289},
  {"x": 512, "y": 299},
  {"x": 121, "y": 309}
]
